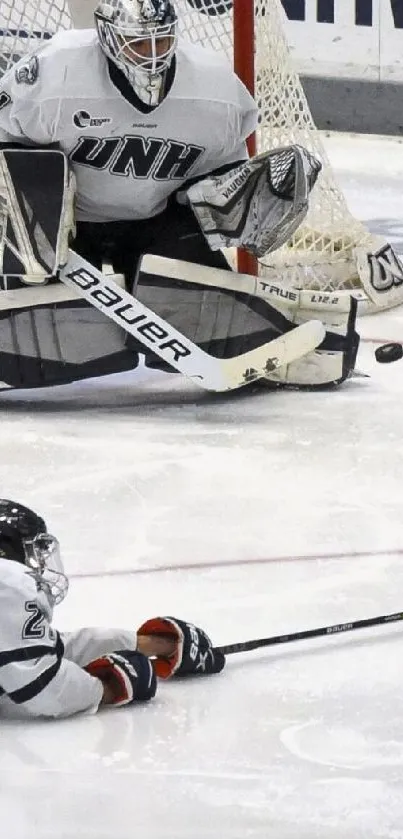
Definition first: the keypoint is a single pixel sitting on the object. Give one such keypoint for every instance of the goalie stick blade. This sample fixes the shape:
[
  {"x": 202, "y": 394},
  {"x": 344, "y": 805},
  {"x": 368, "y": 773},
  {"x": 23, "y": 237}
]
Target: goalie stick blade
[
  {"x": 258, "y": 363},
  {"x": 168, "y": 343}
]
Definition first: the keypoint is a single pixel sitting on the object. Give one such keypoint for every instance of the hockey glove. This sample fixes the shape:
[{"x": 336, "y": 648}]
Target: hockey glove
[
  {"x": 259, "y": 204},
  {"x": 194, "y": 652},
  {"x": 129, "y": 676}
]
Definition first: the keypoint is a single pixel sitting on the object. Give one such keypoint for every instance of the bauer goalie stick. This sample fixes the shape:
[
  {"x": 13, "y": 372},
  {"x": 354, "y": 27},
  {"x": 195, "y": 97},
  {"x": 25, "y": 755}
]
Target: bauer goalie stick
[
  {"x": 157, "y": 335},
  {"x": 338, "y": 628}
]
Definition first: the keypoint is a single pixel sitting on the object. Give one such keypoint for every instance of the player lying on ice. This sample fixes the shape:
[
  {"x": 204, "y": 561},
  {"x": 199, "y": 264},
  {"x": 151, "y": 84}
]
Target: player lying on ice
[
  {"x": 47, "y": 673},
  {"x": 122, "y": 141}
]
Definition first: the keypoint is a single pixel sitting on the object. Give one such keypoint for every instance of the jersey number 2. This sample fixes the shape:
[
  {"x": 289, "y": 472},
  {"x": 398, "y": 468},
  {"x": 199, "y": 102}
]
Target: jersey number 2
[{"x": 33, "y": 626}]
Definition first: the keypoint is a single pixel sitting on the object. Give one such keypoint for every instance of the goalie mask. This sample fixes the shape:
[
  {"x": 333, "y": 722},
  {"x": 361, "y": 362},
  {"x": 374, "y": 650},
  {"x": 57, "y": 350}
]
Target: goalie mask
[
  {"x": 139, "y": 36},
  {"x": 24, "y": 538}
]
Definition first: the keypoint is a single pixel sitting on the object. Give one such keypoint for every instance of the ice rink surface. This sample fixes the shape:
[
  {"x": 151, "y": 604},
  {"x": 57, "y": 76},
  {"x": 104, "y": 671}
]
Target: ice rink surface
[{"x": 143, "y": 477}]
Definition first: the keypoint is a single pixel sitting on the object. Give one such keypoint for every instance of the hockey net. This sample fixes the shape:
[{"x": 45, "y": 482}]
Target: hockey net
[{"x": 320, "y": 255}]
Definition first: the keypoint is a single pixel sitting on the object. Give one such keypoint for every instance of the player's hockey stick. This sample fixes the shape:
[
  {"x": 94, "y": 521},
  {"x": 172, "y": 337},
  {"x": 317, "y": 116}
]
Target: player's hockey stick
[
  {"x": 158, "y": 335},
  {"x": 247, "y": 646}
]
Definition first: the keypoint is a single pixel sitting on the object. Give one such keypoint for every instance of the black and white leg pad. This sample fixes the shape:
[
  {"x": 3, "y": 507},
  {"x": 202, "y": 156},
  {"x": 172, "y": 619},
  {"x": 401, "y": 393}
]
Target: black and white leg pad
[
  {"x": 36, "y": 214},
  {"x": 58, "y": 344}
]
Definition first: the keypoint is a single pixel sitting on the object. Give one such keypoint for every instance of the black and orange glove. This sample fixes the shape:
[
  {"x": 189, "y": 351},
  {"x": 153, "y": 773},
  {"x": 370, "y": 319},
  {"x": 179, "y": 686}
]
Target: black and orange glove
[
  {"x": 129, "y": 676},
  {"x": 194, "y": 653}
]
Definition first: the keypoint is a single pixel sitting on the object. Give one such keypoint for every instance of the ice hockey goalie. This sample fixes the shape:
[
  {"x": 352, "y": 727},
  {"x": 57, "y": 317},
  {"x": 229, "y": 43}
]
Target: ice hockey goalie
[{"x": 48, "y": 336}]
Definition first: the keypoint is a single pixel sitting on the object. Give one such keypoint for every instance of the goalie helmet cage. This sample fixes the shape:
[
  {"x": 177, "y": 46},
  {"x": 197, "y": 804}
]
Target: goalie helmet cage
[{"x": 251, "y": 33}]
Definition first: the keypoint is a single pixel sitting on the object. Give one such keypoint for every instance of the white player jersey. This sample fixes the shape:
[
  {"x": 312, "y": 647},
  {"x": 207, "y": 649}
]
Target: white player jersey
[
  {"x": 40, "y": 669},
  {"x": 127, "y": 163}
]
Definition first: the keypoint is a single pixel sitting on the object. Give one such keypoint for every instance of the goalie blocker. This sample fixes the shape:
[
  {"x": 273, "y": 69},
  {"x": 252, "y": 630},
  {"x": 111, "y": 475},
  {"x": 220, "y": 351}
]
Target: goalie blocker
[{"x": 51, "y": 338}]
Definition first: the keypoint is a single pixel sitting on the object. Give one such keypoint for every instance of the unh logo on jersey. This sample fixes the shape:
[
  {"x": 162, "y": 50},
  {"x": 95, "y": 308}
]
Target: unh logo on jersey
[
  {"x": 28, "y": 73},
  {"x": 135, "y": 156},
  {"x": 82, "y": 119}
]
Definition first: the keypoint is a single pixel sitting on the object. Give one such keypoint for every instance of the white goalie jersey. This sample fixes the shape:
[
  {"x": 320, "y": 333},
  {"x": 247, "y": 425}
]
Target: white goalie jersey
[
  {"x": 41, "y": 669},
  {"x": 127, "y": 163}
]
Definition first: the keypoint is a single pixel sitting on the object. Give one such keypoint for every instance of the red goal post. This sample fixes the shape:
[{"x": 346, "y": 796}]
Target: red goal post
[
  {"x": 244, "y": 66},
  {"x": 321, "y": 254}
]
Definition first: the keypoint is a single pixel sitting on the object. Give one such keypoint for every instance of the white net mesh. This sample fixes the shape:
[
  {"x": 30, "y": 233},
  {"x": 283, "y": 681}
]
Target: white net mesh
[{"x": 320, "y": 254}]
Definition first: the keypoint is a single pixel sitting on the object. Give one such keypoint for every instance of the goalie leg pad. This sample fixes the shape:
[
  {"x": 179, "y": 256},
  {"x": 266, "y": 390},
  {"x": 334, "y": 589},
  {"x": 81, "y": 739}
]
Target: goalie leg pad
[
  {"x": 253, "y": 304},
  {"x": 36, "y": 213},
  {"x": 54, "y": 345},
  {"x": 222, "y": 323}
]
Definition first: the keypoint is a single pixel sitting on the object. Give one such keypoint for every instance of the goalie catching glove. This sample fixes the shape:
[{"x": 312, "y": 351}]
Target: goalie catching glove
[
  {"x": 194, "y": 653},
  {"x": 127, "y": 677},
  {"x": 259, "y": 204}
]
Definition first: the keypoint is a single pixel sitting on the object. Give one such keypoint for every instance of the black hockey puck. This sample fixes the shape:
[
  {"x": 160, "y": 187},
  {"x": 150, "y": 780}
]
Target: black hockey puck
[{"x": 388, "y": 353}]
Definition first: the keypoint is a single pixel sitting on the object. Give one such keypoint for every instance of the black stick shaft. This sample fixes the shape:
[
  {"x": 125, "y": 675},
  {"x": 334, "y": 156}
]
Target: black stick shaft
[{"x": 246, "y": 646}]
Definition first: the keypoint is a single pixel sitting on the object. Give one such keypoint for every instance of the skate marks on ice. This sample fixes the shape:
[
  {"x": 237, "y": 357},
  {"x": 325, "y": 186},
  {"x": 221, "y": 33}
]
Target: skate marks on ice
[{"x": 342, "y": 746}]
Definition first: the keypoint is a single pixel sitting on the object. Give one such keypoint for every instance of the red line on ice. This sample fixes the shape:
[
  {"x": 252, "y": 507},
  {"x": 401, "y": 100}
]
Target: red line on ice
[{"x": 231, "y": 563}]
